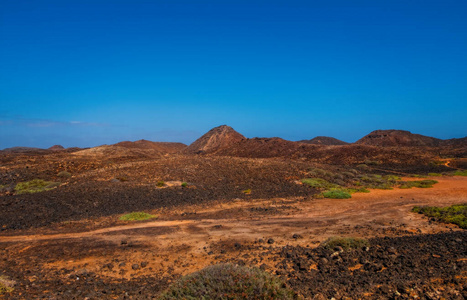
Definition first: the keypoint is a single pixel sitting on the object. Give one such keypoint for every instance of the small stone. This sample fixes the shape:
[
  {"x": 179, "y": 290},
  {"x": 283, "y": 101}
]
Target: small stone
[
  {"x": 270, "y": 241},
  {"x": 135, "y": 266}
]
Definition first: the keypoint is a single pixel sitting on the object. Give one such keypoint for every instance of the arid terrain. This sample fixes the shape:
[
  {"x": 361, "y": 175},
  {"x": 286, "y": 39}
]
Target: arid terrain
[{"x": 226, "y": 198}]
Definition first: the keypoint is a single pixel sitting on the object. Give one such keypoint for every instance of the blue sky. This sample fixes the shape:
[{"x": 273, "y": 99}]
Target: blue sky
[{"x": 85, "y": 73}]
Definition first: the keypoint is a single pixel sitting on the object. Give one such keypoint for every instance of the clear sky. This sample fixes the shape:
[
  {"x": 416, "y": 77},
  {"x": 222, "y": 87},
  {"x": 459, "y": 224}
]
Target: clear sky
[{"x": 91, "y": 72}]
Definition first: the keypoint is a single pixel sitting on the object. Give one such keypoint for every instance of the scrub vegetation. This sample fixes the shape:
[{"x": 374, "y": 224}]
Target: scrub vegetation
[
  {"x": 35, "y": 186},
  {"x": 455, "y": 214},
  {"x": 228, "y": 281}
]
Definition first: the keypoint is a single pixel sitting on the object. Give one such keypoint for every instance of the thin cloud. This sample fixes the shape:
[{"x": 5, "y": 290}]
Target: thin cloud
[{"x": 44, "y": 123}]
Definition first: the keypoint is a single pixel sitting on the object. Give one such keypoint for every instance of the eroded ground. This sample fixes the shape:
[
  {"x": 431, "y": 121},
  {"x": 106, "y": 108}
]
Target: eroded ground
[{"x": 109, "y": 259}]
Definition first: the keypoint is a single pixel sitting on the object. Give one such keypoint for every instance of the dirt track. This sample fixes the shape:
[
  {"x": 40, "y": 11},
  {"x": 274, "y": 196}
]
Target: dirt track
[{"x": 121, "y": 258}]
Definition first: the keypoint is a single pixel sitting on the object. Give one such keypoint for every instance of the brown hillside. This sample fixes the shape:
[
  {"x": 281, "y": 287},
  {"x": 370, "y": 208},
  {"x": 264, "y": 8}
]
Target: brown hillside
[
  {"x": 215, "y": 139},
  {"x": 163, "y": 147},
  {"x": 455, "y": 142},
  {"x": 218, "y": 142},
  {"x": 395, "y": 138},
  {"x": 324, "y": 140}
]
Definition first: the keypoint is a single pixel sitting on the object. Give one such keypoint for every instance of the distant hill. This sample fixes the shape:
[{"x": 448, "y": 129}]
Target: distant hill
[
  {"x": 57, "y": 148},
  {"x": 394, "y": 138},
  {"x": 456, "y": 142},
  {"x": 24, "y": 150},
  {"x": 324, "y": 140},
  {"x": 218, "y": 138},
  {"x": 138, "y": 149},
  {"x": 163, "y": 147}
]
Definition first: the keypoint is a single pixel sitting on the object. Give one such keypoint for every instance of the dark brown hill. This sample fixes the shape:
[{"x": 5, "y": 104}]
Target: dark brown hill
[
  {"x": 218, "y": 138},
  {"x": 163, "y": 147},
  {"x": 25, "y": 150},
  {"x": 324, "y": 140},
  {"x": 455, "y": 142},
  {"x": 57, "y": 148},
  {"x": 395, "y": 138}
]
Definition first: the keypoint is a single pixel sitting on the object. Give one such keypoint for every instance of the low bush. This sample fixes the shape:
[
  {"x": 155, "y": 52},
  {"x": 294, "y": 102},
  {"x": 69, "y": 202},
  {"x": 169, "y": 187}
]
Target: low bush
[
  {"x": 418, "y": 183},
  {"x": 184, "y": 184},
  {"x": 247, "y": 191},
  {"x": 362, "y": 166},
  {"x": 359, "y": 190},
  {"x": 337, "y": 194},
  {"x": 137, "y": 216},
  {"x": 319, "y": 183},
  {"x": 344, "y": 242},
  {"x": 455, "y": 214},
  {"x": 35, "y": 186},
  {"x": 228, "y": 281},
  {"x": 64, "y": 174},
  {"x": 460, "y": 173},
  {"x": 160, "y": 183},
  {"x": 435, "y": 174},
  {"x": 372, "y": 162}
]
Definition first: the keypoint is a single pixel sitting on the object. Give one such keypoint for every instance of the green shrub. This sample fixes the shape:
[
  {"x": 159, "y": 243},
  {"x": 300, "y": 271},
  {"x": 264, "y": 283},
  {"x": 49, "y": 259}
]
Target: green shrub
[
  {"x": 435, "y": 174},
  {"x": 227, "y": 281},
  {"x": 160, "y": 183},
  {"x": 64, "y": 174},
  {"x": 460, "y": 173},
  {"x": 35, "y": 186},
  {"x": 319, "y": 183},
  {"x": 247, "y": 191},
  {"x": 137, "y": 216},
  {"x": 345, "y": 243},
  {"x": 455, "y": 214},
  {"x": 184, "y": 184},
  {"x": 391, "y": 178},
  {"x": 337, "y": 194},
  {"x": 418, "y": 183}
]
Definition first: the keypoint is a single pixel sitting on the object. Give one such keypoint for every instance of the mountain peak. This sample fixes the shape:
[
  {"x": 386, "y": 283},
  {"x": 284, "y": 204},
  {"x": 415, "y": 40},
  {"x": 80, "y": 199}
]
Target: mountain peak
[{"x": 217, "y": 138}]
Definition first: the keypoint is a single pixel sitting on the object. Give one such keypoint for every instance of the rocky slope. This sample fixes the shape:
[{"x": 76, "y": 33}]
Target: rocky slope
[
  {"x": 220, "y": 137},
  {"x": 324, "y": 140},
  {"x": 394, "y": 138}
]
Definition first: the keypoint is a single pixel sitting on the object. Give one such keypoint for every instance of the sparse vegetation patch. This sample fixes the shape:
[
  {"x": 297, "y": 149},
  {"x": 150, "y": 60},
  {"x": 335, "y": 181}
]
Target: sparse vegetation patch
[
  {"x": 137, "y": 216},
  {"x": 455, "y": 214},
  {"x": 6, "y": 285},
  {"x": 418, "y": 183},
  {"x": 228, "y": 281},
  {"x": 35, "y": 186},
  {"x": 460, "y": 173},
  {"x": 319, "y": 183},
  {"x": 160, "y": 183}
]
